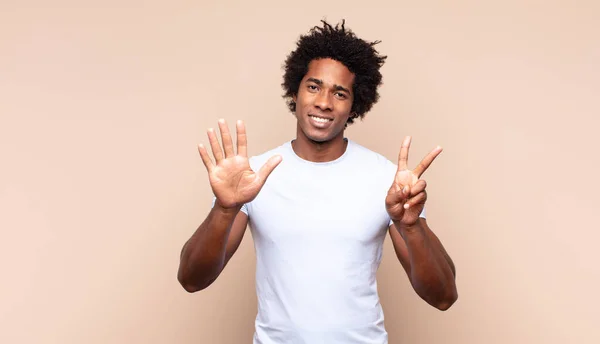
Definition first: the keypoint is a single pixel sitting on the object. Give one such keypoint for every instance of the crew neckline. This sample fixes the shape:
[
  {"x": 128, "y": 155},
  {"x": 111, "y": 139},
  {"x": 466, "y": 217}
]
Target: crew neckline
[{"x": 349, "y": 146}]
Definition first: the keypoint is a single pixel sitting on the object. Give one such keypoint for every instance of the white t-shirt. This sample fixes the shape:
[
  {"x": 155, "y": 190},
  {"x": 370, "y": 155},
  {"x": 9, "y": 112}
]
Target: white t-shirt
[{"x": 318, "y": 231}]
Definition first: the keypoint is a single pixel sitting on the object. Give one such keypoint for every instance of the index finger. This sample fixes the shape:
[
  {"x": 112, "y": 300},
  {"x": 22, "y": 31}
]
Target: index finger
[
  {"x": 241, "y": 139},
  {"x": 424, "y": 164}
]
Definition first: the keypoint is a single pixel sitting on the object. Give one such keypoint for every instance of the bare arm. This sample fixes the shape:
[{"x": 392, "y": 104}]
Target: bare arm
[
  {"x": 430, "y": 269},
  {"x": 234, "y": 183},
  {"x": 428, "y": 265},
  {"x": 207, "y": 252}
]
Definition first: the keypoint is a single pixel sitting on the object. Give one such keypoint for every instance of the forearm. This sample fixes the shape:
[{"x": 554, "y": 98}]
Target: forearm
[
  {"x": 203, "y": 255},
  {"x": 437, "y": 244},
  {"x": 431, "y": 269}
]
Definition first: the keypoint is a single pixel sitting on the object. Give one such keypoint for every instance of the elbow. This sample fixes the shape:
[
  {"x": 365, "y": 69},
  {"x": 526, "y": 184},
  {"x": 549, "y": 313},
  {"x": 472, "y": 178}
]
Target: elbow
[
  {"x": 189, "y": 285},
  {"x": 447, "y": 302},
  {"x": 197, "y": 277},
  {"x": 190, "y": 288},
  {"x": 440, "y": 295}
]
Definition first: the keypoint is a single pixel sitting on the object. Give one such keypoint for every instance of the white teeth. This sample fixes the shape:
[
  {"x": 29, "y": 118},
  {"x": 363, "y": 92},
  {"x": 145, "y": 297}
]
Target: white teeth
[{"x": 320, "y": 120}]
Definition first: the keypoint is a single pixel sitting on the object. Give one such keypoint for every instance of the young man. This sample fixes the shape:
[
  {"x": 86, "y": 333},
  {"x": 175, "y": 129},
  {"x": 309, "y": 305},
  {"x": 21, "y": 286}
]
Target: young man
[{"x": 319, "y": 207}]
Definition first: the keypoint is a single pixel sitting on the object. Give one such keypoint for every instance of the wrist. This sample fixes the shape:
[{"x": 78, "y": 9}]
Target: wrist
[
  {"x": 409, "y": 228},
  {"x": 226, "y": 210}
]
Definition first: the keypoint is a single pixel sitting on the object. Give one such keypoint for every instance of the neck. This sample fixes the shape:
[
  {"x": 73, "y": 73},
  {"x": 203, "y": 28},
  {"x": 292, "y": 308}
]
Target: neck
[{"x": 310, "y": 150}]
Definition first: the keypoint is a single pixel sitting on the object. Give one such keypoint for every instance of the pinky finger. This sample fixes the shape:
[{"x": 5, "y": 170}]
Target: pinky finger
[
  {"x": 421, "y": 197},
  {"x": 205, "y": 158}
]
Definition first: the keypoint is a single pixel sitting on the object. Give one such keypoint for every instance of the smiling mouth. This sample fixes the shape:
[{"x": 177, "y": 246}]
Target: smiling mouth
[{"x": 320, "y": 119}]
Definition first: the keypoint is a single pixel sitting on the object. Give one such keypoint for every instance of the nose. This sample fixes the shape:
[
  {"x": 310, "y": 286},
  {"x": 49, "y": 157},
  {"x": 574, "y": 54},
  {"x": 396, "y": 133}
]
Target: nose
[{"x": 323, "y": 101}]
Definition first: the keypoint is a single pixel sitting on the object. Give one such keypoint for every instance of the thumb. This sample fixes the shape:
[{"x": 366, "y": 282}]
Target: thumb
[
  {"x": 268, "y": 167},
  {"x": 400, "y": 194}
]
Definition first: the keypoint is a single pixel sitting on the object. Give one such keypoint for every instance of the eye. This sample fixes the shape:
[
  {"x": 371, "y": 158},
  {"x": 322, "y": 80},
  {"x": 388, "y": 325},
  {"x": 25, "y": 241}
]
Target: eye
[
  {"x": 312, "y": 88},
  {"x": 341, "y": 95}
]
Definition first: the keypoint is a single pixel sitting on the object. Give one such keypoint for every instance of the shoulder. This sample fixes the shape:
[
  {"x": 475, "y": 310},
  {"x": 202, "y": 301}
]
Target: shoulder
[{"x": 371, "y": 160}]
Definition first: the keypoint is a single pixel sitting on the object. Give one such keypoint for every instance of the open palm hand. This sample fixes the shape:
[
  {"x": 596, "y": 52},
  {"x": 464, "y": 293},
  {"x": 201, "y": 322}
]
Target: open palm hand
[{"x": 232, "y": 180}]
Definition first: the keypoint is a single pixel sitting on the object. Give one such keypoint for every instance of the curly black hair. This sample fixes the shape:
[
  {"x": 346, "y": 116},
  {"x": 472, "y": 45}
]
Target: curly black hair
[{"x": 342, "y": 45}]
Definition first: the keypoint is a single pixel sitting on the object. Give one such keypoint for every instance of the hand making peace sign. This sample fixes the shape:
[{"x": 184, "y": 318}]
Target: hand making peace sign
[{"x": 406, "y": 197}]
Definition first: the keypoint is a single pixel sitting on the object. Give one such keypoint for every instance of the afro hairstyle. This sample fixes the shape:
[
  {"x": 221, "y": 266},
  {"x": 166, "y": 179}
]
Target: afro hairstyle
[{"x": 340, "y": 44}]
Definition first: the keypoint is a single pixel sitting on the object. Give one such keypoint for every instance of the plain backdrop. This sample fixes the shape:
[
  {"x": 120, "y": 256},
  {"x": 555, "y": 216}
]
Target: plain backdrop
[{"x": 102, "y": 104}]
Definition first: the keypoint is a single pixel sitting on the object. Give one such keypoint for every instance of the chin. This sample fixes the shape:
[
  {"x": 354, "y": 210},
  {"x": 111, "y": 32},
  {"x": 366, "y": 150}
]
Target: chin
[{"x": 320, "y": 137}]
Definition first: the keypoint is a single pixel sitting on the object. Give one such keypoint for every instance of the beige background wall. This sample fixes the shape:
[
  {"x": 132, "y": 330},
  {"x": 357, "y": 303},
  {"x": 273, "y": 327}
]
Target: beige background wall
[{"x": 102, "y": 106}]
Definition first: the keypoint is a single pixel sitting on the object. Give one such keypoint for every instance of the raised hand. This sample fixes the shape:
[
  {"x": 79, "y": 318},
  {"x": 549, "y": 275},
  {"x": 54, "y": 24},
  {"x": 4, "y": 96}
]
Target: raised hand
[
  {"x": 406, "y": 197},
  {"x": 232, "y": 180}
]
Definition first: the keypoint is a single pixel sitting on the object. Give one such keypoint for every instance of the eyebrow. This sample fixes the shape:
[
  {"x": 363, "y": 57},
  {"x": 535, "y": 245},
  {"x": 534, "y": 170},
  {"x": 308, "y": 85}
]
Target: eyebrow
[{"x": 335, "y": 87}]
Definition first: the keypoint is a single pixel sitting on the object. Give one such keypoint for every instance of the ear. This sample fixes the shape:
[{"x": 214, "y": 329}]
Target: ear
[{"x": 294, "y": 98}]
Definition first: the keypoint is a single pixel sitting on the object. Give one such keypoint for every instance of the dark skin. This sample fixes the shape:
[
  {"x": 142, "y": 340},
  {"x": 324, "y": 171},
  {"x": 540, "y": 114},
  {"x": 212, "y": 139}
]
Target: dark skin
[
  {"x": 326, "y": 92},
  {"x": 323, "y": 105}
]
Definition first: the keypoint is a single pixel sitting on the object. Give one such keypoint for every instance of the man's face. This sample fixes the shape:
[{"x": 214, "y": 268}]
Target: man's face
[{"x": 324, "y": 100}]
